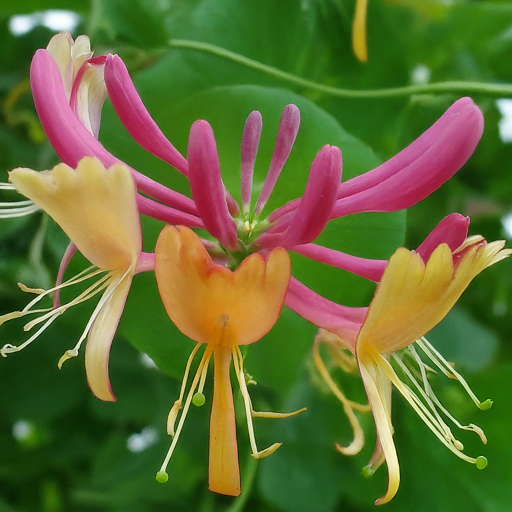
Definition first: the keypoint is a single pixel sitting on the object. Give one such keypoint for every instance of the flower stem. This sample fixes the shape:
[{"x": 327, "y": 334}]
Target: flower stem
[{"x": 455, "y": 87}]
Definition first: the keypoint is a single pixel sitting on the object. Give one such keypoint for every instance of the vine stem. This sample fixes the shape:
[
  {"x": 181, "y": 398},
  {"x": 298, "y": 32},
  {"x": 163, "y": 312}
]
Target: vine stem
[{"x": 455, "y": 87}]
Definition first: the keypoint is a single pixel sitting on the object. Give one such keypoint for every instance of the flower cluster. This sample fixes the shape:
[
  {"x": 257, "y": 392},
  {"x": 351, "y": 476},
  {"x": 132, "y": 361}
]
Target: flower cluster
[{"x": 228, "y": 290}]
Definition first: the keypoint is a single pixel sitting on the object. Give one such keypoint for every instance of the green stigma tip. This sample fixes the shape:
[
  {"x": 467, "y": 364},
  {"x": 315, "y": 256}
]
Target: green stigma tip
[
  {"x": 198, "y": 400},
  {"x": 368, "y": 471},
  {"x": 481, "y": 462},
  {"x": 162, "y": 477},
  {"x": 487, "y": 404}
]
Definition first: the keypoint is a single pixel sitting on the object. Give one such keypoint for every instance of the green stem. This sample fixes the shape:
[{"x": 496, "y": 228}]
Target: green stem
[
  {"x": 249, "y": 476},
  {"x": 455, "y": 87}
]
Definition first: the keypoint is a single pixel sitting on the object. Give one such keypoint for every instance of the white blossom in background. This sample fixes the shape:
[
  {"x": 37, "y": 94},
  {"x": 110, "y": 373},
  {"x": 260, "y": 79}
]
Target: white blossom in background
[
  {"x": 504, "y": 106},
  {"x": 54, "y": 19}
]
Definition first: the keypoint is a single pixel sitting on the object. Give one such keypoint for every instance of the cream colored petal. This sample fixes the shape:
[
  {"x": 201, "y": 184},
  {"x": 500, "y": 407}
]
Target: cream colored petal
[
  {"x": 88, "y": 96},
  {"x": 60, "y": 49},
  {"x": 413, "y": 297},
  {"x": 80, "y": 52},
  {"x": 375, "y": 384},
  {"x": 100, "y": 337},
  {"x": 95, "y": 207}
]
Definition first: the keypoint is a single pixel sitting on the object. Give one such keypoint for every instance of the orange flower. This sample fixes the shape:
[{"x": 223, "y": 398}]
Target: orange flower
[{"x": 220, "y": 309}]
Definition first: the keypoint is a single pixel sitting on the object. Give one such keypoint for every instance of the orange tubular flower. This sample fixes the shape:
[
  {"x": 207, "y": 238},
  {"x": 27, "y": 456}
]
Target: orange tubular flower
[{"x": 222, "y": 310}]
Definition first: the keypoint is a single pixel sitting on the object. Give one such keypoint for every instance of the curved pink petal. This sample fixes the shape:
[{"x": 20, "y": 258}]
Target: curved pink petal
[
  {"x": 70, "y": 138},
  {"x": 206, "y": 184},
  {"x": 419, "y": 169},
  {"x": 286, "y": 135},
  {"x": 412, "y": 152},
  {"x": 167, "y": 214},
  {"x": 367, "y": 268},
  {"x": 248, "y": 151},
  {"x": 341, "y": 320},
  {"x": 66, "y": 258},
  {"x": 452, "y": 230},
  {"x": 415, "y": 172},
  {"x": 135, "y": 117},
  {"x": 318, "y": 200}
]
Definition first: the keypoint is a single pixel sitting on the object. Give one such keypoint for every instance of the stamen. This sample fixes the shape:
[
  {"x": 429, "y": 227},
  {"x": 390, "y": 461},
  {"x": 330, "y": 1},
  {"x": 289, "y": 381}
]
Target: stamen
[
  {"x": 37, "y": 291},
  {"x": 171, "y": 418},
  {"x": 441, "y": 425},
  {"x": 104, "y": 299},
  {"x": 421, "y": 409},
  {"x": 433, "y": 397},
  {"x": 449, "y": 371},
  {"x": 348, "y": 406},
  {"x": 173, "y": 413},
  {"x": 162, "y": 476},
  {"x": 74, "y": 280},
  {"x": 238, "y": 363},
  {"x": 12, "y": 209}
]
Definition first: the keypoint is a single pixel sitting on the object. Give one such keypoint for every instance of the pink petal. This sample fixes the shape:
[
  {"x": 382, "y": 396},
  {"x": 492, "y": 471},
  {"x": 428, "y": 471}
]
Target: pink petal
[
  {"x": 452, "y": 230},
  {"x": 286, "y": 135},
  {"x": 341, "y": 320},
  {"x": 248, "y": 152},
  {"x": 167, "y": 214},
  {"x": 136, "y": 118},
  {"x": 66, "y": 258},
  {"x": 206, "y": 184},
  {"x": 316, "y": 204},
  {"x": 70, "y": 138},
  {"x": 369, "y": 269},
  {"x": 419, "y": 169}
]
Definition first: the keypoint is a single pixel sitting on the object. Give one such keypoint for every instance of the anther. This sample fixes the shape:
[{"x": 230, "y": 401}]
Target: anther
[
  {"x": 368, "y": 471},
  {"x": 67, "y": 355},
  {"x": 485, "y": 405}
]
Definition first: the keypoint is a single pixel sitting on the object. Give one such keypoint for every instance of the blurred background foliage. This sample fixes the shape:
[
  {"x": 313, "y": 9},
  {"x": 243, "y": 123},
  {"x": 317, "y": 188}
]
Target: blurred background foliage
[{"x": 62, "y": 450}]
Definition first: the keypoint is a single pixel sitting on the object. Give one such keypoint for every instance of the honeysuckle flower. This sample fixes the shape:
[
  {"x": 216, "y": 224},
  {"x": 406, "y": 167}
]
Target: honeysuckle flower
[
  {"x": 397, "y": 184},
  {"x": 359, "y": 31},
  {"x": 416, "y": 291},
  {"x": 96, "y": 208},
  {"x": 82, "y": 77},
  {"x": 71, "y": 123},
  {"x": 221, "y": 310}
]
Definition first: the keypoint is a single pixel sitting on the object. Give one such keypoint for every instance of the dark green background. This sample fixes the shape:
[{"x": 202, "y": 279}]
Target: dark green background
[{"x": 75, "y": 458}]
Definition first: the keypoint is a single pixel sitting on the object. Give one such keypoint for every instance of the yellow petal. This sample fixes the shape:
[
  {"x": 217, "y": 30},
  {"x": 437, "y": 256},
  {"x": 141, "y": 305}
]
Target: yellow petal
[
  {"x": 200, "y": 296},
  {"x": 413, "y": 297},
  {"x": 224, "y": 472},
  {"x": 378, "y": 390},
  {"x": 101, "y": 334},
  {"x": 359, "y": 31},
  {"x": 95, "y": 207}
]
